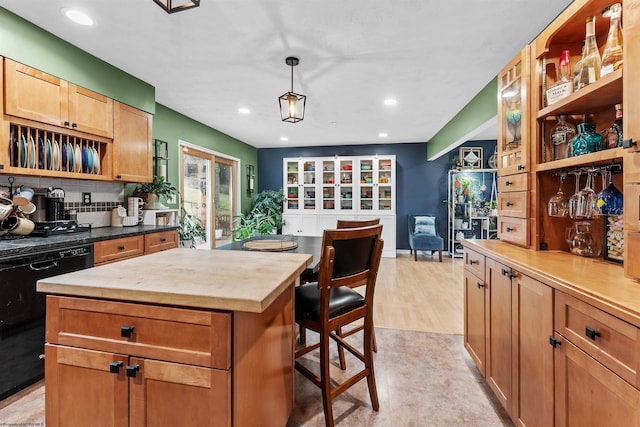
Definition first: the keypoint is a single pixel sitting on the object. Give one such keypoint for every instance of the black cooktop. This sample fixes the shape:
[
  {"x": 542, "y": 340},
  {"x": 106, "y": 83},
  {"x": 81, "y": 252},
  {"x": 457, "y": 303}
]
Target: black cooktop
[{"x": 52, "y": 228}]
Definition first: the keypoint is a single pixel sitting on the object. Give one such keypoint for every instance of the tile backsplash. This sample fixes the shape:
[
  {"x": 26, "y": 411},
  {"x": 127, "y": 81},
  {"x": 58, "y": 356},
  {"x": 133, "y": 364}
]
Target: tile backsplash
[{"x": 104, "y": 196}]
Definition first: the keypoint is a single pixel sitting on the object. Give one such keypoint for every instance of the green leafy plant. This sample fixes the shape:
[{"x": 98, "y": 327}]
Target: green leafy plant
[
  {"x": 152, "y": 192},
  {"x": 191, "y": 229},
  {"x": 265, "y": 216}
]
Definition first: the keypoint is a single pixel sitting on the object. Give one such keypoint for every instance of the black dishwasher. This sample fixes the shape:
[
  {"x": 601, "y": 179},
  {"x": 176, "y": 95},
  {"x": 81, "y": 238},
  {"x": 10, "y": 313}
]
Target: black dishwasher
[{"x": 22, "y": 311}]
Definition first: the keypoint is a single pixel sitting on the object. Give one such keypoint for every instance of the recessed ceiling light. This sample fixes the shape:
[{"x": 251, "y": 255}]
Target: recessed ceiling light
[
  {"x": 390, "y": 101},
  {"x": 78, "y": 16},
  {"x": 383, "y": 135},
  {"x": 243, "y": 110},
  {"x": 284, "y": 138}
]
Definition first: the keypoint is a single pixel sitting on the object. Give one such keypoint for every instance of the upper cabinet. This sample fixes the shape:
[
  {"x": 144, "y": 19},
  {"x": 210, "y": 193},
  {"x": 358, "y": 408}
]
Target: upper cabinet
[
  {"x": 33, "y": 95},
  {"x": 132, "y": 150}
]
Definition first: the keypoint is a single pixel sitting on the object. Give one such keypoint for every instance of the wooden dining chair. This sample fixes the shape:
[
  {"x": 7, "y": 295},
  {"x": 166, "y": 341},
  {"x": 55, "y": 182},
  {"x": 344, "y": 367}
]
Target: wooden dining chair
[
  {"x": 350, "y": 258},
  {"x": 352, "y": 223}
]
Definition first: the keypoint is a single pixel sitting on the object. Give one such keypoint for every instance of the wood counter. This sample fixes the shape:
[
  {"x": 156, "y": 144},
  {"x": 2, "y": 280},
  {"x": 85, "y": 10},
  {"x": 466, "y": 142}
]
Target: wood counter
[
  {"x": 180, "y": 337},
  {"x": 595, "y": 281}
]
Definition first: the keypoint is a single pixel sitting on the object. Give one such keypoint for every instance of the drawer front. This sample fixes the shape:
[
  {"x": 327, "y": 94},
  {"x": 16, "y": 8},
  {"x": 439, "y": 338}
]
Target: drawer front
[
  {"x": 631, "y": 170},
  {"x": 514, "y": 230},
  {"x": 116, "y": 249},
  {"x": 474, "y": 262},
  {"x": 193, "y": 337},
  {"x": 612, "y": 341},
  {"x": 156, "y": 242},
  {"x": 509, "y": 183},
  {"x": 631, "y": 246},
  {"x": 514, "y": 204},
  {"x": 632, "y": 207}
]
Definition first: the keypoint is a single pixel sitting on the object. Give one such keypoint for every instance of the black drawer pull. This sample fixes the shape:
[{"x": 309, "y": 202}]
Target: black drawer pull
[
  {"x": 126, "y": 331},
  {"x": 114, "y": 367},
  {"x": 508, "y": 273},
  {"x": 121, "y": 248},
  {"x": 508, "y": 183},
  {"x": 164, "y": 239},
  {"x": 591, "y": 333},
  {"x": 480, "y": 285},
  {"x": 520, "y": 167},
  {"x": 131, "y": 370},
  {"x": 66, "y": 123},
  {"x": 509, "y": 204},
  {"x": 554, "y": 342},
  {"x": 509, "y": 229},
  {"x": 473, "y": 261},
  {"x": 74, "y": 125}
]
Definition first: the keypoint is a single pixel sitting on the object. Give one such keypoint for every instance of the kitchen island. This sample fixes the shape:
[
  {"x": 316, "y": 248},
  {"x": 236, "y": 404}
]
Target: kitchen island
[{"x": 180, "y": 337}]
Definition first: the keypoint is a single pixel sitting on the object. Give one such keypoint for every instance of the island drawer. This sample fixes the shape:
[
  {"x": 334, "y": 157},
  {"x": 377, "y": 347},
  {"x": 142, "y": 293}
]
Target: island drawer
[
  {"x": 106, "y": 251},
  {"x": 194, "y": 337},
  {"x": 156, "y": 242},
  {"x": 608, "y": 339},
  {"x": 474, "y": 263},
  {"x": 514, "y": 204},
  {"x": 513, "y": 230}
]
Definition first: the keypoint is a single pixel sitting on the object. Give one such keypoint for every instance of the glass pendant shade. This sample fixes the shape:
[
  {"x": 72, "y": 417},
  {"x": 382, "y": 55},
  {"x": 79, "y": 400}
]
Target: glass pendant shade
[
  {"x": 171, "y": 6},
  {"x": 292, "y": 105}
]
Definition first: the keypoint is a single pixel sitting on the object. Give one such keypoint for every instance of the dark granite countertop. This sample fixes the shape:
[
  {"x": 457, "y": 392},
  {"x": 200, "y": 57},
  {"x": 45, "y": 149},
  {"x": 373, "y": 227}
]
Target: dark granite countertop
[{"x": 36, "y": 244}]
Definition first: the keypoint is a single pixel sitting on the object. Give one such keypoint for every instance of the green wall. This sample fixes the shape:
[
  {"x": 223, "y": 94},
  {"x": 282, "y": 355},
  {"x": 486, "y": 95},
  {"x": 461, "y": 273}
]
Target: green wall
[
  {"x": 479, "y": 110},
  {"x": 171, "y": 126},
  {"x": 31, "y": 45},
  {"x": 24, "y": 42}
]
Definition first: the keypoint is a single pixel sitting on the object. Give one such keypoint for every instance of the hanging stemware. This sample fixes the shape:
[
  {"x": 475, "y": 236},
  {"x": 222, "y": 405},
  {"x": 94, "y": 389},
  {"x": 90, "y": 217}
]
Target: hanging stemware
[
  {"x": 610, "y": 199},
  {"x": 573, "y": 200},
  {"x": 558, "y": 204}
]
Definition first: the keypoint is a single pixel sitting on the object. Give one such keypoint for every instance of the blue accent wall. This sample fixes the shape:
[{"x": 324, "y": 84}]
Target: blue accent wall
[{"x": 421, "y": 185}]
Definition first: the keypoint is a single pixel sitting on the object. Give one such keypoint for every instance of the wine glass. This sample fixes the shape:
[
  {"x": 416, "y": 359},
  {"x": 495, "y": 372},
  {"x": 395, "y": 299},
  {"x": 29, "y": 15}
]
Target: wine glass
[
  {"x": 573, "y": 200},
  {"x": 558, "y": 204},
  {"x": 610, "y": 199}
]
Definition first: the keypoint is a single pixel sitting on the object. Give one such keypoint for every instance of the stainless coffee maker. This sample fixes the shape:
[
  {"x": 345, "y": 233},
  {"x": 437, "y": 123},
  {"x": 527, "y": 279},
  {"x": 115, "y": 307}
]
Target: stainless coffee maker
[{"x": 54, "y": 204}]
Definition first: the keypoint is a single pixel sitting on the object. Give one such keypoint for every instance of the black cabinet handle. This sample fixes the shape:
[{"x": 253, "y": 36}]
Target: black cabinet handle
[
  {"x": 473, "y": 261},
  {"x": 118, "y": 176},
  {"x": 66, "y": 123},
  {"x": 114, "y": 367},
  {"x": 520, "y": 167},
  {"x": 121, "y": 248},
  {"x": 131, "y": 370},
  {"x": 164, "y": 239},
  {"x": 508, "y": 273},
  {"x": 509, "y": 229},
  {"x": 554, "y": 342},
  {"x": 126, "y": 331},
  {"x": 508, "y": 183},
  {"x": 480, "y": 285},
  {"x": 628, "y": 143},
  {"x": 591, "y": 333},
  {"x": 509, "y": 204},
  {"x": 74, "y": 125}
]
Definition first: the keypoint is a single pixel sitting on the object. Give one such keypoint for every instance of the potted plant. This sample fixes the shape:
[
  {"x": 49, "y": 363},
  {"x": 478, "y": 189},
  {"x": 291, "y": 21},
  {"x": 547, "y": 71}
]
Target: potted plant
[
  {"x": 191, "y": 231},
  {"x": 265, "y": 217},
  {"x": 152, "y": 192}
]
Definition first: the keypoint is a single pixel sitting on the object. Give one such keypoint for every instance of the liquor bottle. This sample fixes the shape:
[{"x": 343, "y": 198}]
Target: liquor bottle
[
  {"x": 613, "y": 136},
  {"x": 576, "y": 70},
  {"x": 612, "y": 56},
  {"x": 591, "y": 62},
  {"x": 561, "y": 135},
  {"x": 564, "y": 86}
]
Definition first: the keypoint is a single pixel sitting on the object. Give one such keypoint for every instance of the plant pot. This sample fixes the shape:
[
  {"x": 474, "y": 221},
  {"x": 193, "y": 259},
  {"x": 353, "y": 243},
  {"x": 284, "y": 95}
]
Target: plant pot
[{"x": 218, "y": 233}]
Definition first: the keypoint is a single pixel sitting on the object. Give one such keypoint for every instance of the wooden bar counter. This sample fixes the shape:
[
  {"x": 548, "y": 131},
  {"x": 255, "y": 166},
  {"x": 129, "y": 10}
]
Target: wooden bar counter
[{"x": 177, "y": 338}]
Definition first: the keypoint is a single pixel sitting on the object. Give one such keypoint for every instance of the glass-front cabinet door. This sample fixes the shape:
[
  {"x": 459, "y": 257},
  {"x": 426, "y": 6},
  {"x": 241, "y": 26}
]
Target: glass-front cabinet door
[
  {"x": 301, "y": 185},
  {"x": 337, "y": 185},
  {"x": 385, "y": 178},
  {"x": 376, "y": 176}
]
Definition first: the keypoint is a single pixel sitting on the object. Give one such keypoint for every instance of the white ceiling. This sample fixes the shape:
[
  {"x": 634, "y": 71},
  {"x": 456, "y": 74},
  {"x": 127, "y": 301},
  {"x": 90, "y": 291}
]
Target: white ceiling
[{"x": 432, "y": 56}]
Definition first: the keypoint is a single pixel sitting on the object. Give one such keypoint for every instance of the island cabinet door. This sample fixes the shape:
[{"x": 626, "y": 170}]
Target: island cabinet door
[
  {"x": 474, "y": 319},
  {"x": 172, "y": 394},
  {"x": 85, "y": 388}
]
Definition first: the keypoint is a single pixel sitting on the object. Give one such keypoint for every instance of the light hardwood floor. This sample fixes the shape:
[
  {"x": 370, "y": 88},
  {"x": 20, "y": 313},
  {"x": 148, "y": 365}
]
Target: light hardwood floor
[{"x": 424, "y": 296}]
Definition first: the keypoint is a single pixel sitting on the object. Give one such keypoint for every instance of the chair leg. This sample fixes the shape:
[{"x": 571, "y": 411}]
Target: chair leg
[
  {"x": 343, "y": 363},
  {"x": 302, "y": 339},
  {"x": 415, "y": 255},
  {"x": 440, "y": 255},
  {"x": 369, "y": 336},
  {"x": 375, "y": 344},
  {"x": 325, "y": 380}
]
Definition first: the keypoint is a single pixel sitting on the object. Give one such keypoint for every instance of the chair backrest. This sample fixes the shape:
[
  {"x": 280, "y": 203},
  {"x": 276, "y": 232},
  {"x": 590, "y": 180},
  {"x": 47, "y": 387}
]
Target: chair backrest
[
  {"x": 348, "y": 223},
  {"x": 426, "y": 223},
  {"x": 350, "y": 257}
]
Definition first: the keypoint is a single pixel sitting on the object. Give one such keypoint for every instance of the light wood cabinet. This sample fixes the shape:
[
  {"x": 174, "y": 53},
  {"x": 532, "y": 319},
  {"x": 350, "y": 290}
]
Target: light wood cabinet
[
  {"x": 132, "y": 145},
  {"x": 156, "y": 242},
  {"x": 34, "y": 95},
  {"x": 475, "y": 315},
  {"x": 106, "y": 251},
  {"x": 94, "y": 365}
]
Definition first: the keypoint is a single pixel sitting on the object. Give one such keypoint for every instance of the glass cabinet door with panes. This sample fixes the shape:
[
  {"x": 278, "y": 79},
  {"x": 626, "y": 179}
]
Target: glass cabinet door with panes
[
  {"x": 300, "y": 188},
  {"x": 376, "y": 177},
  {"x": 337, "y": 185}
]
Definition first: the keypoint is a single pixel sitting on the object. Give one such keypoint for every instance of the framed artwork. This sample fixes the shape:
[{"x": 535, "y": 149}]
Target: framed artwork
[{"x": 471, "y": 157}]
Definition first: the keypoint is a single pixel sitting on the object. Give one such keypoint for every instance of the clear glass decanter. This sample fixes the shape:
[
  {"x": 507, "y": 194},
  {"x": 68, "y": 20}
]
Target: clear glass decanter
[
  {"x": 612, "y": 56},
  {"x": 591, "y": 62},
  {"x": 561, "y": 136}
]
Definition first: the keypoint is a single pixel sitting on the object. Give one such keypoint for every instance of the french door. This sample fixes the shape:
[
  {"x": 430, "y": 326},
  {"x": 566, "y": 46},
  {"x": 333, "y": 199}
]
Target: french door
[{"x": 207, "y": 192}]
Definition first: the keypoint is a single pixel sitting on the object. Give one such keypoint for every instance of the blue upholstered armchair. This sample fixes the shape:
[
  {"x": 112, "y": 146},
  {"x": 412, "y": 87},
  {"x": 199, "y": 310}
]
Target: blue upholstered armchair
[{"x": 423, "y": 235}]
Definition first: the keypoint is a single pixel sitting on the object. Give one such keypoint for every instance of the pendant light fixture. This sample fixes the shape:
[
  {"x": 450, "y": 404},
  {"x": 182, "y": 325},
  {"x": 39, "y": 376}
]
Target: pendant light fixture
[
  {"x": 292, "y": 104},
  {"x": 171, "y": 6}
]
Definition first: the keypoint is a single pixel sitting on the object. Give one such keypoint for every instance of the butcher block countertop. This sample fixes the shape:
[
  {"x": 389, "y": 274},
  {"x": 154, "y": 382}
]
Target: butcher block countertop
[
  {"x": 595, "y": 281},
  {"x": 209, "y": 279}
]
